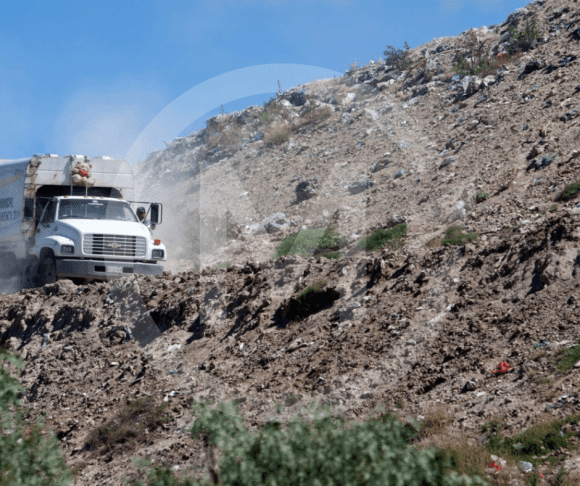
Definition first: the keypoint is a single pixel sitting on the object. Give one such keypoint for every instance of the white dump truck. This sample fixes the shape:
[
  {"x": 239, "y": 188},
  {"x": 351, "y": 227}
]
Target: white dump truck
[{"x": 73, "y": 217}]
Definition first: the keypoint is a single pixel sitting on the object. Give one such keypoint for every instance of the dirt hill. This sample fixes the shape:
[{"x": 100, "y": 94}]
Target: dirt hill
[{"x": 480, "y": 168}]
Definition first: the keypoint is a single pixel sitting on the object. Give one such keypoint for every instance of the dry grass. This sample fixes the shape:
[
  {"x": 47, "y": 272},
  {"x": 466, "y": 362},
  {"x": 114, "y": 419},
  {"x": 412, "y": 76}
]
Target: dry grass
[
  {"x": 436, "y": 421},
  {"x": 468, "y": 457},
  {"x": 224, "y": 136},
  {"x": 434, "y": 243},
  {"x": 277, "y": 133},
  {"x": 128, "y": 426},
  {"x": 314, "y": 115}
]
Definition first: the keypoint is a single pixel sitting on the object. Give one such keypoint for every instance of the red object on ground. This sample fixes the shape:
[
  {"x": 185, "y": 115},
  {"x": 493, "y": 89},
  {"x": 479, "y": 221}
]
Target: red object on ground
[
  {"x": 83, "y": 172},
  {"x": 493, "y": 464},
  {"x": 503, "y": 368}
]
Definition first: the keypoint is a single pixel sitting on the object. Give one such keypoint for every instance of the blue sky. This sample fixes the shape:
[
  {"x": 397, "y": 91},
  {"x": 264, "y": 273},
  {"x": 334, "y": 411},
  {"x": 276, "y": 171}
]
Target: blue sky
[{"x": 88, "y": 77}]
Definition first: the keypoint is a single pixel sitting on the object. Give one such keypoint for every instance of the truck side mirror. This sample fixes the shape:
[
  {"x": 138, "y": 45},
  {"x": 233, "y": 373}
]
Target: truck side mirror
[{"x": 156, "y": 213}]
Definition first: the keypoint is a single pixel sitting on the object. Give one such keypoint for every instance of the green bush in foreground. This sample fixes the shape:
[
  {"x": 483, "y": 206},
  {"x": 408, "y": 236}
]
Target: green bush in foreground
[
  {"x": 456, "y": 236},
  {"x": 380, "y": 238},
  {"x": 26, "y": 459},
  {"x": 327, "y": 452}
]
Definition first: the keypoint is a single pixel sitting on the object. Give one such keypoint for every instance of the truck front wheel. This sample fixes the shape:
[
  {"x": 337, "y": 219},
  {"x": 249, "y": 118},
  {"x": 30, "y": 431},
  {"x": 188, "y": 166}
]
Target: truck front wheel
[{"x": 46, "y": 271}]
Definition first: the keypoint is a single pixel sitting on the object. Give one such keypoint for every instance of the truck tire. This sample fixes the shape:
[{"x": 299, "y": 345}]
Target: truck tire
[{"x": 46, "y": 271}]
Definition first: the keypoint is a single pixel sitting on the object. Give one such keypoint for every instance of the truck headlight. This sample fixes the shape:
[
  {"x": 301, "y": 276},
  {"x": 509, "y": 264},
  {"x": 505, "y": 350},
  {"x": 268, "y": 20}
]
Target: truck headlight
[
  {"x": 157, "y": 254},
  {"x": 68, "y": 249}
]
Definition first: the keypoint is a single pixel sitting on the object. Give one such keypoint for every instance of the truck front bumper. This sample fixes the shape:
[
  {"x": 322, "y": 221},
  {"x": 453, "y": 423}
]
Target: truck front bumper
[{"x": 104, "y": 270}]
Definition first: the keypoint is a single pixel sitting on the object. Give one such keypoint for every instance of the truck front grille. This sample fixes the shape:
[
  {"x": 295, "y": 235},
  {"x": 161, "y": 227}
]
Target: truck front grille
[{"x": 114, "y": 245}]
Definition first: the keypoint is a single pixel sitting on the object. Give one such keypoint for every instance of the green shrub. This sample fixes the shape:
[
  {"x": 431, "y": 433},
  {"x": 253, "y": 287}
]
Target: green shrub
[
  {"x": 381, "y": 237},
  {"x": 469, "y": 66},
  {"x": 269, "y": 113},
  {"x": 328, "y": 451},
  {"x": 398, "y": 58},
  {"x": 224, "y": 265},
  {"x": 493, "y": 426},
  {"x": 571, "y": 357},
  {"x": 480, "y": 197},
  {"x": 311, "y": 300},
  {"x": 539, "y": 440},
  {"x": 456, "y": 236},
  {"x": 317, "y": 287},
  {"x": 330, "y": 243},
  {"x": 477, "y": 61},
  {"x": 570, "y": 191},
  {"x": 300, "y": 243},
  {"x": 324, "y": 242},
  {"x": 522, "y": 41},
  {"x": 28, "y": 458}
]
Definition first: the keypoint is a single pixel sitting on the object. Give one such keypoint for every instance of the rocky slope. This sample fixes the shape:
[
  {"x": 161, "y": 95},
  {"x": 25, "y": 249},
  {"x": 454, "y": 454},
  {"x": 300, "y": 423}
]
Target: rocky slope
[{"x": 411, "y": 328}]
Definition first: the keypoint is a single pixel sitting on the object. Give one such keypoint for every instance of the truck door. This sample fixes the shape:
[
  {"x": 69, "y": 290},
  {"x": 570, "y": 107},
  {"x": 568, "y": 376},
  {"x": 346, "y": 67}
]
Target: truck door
[
  {"x": 45, "y": 225},
  {"x": 49, "y": 214}
]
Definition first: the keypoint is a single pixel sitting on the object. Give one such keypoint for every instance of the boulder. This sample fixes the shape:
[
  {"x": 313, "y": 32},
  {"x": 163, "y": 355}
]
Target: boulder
[
  {"x": 306, "y": 190},
  {"x": 381, "y": 164},
  {"x": 297, "y": 98},
  {"x": 446, "y": 162},
  {"x": 275, "y": 223},
  {"x": 359, "y": 186}
]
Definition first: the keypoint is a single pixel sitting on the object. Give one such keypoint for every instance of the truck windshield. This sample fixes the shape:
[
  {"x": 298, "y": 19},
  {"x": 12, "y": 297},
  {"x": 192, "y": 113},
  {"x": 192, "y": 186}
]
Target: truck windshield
[{"x": 95, "y": 209}]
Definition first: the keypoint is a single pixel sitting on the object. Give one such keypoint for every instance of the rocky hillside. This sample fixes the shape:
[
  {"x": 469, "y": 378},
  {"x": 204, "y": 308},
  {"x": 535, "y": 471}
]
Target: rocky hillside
[{"x": 482, "y": 168}]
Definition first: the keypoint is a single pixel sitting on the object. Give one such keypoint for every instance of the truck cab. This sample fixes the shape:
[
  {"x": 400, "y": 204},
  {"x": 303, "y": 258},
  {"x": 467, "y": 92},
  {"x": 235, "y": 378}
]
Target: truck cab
[
  {"x": 94, "y": 238},
  {"x": 72, "y": 217}
]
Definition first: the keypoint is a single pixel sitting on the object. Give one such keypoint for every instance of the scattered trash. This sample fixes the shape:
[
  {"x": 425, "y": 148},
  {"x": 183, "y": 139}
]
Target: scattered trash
[
  {"x": 526, "y": 466},
  {"x": 44, "y": 341},
  {"x": 503, "y": 367},
  {"x": 541, "y": 164},
  {"x": 494, "y": 465},
  {"x": 171, "y": 394},
  {"x": 401, "y": 173},
  {"x": 541, "y": 344},
  {"x": 525, "y": 127}
]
